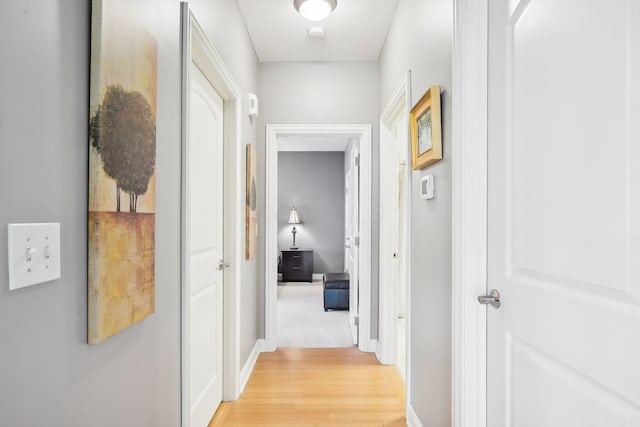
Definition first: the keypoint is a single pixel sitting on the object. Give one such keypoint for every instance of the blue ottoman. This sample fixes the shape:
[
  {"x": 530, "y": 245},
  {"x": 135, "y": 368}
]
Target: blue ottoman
[{"x": 336, "y": 291}]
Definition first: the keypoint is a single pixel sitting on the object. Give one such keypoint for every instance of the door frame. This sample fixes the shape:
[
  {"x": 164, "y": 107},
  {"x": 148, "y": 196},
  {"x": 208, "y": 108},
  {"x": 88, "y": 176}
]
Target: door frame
[
  {"x": 400, "y": 100},
  {"x": 386, "y": 350},
  {"x": 469, "y": 221},
  {"x": 273, "y": 132},
  {"x": 196, "y": 47}
]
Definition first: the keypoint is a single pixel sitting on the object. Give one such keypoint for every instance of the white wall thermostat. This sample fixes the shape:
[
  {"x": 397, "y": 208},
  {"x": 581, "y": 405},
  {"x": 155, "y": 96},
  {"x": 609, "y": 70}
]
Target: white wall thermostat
[
  {"x": 427, "y": 187},
  {"x": 253, "y": 105}
]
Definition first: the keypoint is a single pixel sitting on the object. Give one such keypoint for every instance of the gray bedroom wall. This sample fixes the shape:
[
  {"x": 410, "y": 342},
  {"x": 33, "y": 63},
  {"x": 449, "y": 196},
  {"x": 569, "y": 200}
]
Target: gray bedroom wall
[
  {"x": 420, "y": 39},
  {"x": 313, "y": 182},
  {"x": 320, "y": 93},
  {"x": 48, "y": 374}
]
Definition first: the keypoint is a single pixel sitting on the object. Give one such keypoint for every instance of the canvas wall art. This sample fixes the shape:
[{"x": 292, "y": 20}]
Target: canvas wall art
[
  {"x": 122, "y": 173},
  {"x": 251, "y": 226}
]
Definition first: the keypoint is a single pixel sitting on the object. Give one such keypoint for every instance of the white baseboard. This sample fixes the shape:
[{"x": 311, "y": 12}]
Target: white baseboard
[
  {"x": 251, "y": 363},
  {"x": 376, "y": 349},
  {"x": 412, "y": 417},
  {"x": 373, "y": 346}
]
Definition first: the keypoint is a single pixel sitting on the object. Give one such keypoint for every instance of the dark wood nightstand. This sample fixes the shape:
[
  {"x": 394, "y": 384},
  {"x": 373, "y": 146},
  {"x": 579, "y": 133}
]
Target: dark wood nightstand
[{"x": 297, "y": 265}]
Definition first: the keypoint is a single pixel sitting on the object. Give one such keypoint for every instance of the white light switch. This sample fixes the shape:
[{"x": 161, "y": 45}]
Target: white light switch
[{"x": 34, "y": 254}]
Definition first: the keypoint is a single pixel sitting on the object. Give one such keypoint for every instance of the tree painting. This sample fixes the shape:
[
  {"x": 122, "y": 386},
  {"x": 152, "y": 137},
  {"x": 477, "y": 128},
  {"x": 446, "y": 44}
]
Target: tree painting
[
  {"x": 123, "y": 131},
  {"x": 123, "y": 89}
]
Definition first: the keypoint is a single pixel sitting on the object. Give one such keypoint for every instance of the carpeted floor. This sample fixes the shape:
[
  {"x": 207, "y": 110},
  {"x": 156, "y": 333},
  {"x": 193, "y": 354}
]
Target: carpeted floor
[{"x": 302, "y": 321}]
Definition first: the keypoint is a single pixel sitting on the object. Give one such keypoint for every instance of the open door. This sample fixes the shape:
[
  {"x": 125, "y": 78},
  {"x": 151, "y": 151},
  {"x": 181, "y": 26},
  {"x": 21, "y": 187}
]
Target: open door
[
  {"x": 352, "y": 222},
  {"x": 564, "y": 214}
]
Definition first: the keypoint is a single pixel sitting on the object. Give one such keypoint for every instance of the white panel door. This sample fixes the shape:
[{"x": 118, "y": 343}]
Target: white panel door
[
  {"x": 352, "y": 221},
  {"x": 204, "y": 243},
  {"x": 564, "y": 213}
]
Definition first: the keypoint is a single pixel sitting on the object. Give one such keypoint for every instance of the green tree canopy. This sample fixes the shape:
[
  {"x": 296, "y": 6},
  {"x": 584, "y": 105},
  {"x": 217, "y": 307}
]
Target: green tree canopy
[{"x": 123, "y": 130}]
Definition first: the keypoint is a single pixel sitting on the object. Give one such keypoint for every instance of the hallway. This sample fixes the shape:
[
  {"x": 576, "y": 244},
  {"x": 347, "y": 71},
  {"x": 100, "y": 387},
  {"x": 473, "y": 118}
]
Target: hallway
[{"x": 317, "y": 387}]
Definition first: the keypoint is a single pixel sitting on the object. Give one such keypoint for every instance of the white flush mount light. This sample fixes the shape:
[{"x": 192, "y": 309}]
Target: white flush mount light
[
  {"x": 315, "y": 10},
  {"x": 316, "y": 32}
]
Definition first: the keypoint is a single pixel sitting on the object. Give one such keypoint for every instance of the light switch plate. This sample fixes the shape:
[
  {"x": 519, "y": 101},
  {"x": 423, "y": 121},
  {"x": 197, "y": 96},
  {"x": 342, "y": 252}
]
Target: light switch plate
[{"x": 34, "y": 254}]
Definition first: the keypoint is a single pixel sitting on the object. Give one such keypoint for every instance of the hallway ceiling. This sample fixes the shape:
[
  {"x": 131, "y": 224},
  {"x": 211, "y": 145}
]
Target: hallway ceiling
[{"x": 355, "y": 31}]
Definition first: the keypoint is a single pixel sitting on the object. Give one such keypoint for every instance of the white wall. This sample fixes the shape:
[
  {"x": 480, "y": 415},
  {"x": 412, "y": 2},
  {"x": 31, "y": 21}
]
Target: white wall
[
  {"x": 313, "y": 182},
  {"x": 420, "y": 39},
  {"x": 48, "y": 374},
  {"x": 321, "y": 93}
]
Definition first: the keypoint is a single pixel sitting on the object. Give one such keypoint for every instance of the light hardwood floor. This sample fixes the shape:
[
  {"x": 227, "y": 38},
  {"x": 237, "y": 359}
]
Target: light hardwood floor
[{"x": 317, "y": 387}]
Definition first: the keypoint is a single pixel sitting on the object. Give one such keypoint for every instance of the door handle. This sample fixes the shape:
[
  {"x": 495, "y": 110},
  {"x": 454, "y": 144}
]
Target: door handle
[
  {"x": 222, "y": 265},
  {"x": 493, "y": 299}
]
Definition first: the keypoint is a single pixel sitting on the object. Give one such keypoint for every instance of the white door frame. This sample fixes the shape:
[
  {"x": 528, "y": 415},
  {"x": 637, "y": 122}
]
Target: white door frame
[
  {"x": 469, "y": 222},
  {"x": 273, "y": 132},
  {"x": 386, "y": 350},
  {"x": 197, "y": 48}
]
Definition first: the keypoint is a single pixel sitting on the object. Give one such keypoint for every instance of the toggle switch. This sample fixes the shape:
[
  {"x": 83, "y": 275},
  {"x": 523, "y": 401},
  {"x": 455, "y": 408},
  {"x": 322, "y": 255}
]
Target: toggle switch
[
  {"x": 47, "y": 251},
  {"x": 30, "y": 253}
]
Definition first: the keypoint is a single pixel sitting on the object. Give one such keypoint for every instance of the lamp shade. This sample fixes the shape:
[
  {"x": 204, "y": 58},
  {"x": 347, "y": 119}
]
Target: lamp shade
[{"x": 294, "y": 218}]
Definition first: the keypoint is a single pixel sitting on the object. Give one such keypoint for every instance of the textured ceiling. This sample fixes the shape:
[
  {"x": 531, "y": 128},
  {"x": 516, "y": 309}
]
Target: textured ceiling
[{"x": 355, "y": 31}]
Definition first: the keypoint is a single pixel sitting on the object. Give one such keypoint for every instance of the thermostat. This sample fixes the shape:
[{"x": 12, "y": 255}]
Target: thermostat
[
  {"x": 426, "y": 187},
  {"x": 253, "y": 105}
]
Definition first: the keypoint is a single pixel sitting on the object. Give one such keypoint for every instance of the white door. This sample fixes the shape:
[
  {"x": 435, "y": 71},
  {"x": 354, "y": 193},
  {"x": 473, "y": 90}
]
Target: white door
[
  {"x": 564, "y": 213},
  {"x": 204, "y": 193},
  {"x": 352, "y": 221}
]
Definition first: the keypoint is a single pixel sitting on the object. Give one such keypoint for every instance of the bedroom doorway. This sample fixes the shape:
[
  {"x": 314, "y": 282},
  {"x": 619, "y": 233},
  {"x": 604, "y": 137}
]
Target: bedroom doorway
[{"x": 305, "y": 138}]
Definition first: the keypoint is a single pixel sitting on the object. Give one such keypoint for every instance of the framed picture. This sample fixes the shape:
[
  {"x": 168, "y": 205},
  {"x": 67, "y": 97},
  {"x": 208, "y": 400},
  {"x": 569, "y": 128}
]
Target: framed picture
[
  {"x": 251, "y": 225},
  {"x": 122, "y": 171},
  {"x": 426, "y": 130}
]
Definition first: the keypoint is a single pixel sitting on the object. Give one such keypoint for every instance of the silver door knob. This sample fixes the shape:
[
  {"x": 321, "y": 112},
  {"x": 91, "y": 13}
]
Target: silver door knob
[
  {"x": 493, "y": 299},
  {"x": 222, "y": 265}
]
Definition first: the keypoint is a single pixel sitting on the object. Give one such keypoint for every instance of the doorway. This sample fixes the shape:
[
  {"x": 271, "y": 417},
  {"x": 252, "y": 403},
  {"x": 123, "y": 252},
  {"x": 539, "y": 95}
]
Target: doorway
[
  {"x": 547, "y": 244},
  {"x": 361, "y": 134},
  {"x": 311, "y": 242},
  {"x": 210, "y": 254},
  {"x": 395, "y": 240}
]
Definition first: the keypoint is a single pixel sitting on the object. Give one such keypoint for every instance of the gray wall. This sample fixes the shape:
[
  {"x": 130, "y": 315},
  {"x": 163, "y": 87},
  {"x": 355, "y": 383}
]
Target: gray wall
[
  {"x": 321, "y": 93},
  {"x": 420, "y": 39},
  {"x": 313, "y": 182},
  {"x": 48, "y": 374}
]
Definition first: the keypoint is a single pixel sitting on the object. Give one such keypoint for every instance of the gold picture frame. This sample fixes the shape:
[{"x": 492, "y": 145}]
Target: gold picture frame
[
  {"x": 251, "y": 225},
  {"x": 426, "y": 130}
]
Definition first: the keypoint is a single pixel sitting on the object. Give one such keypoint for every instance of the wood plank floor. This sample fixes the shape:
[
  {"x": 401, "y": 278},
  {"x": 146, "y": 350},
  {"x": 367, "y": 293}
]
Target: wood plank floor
[{"x": 317, "y": 387}]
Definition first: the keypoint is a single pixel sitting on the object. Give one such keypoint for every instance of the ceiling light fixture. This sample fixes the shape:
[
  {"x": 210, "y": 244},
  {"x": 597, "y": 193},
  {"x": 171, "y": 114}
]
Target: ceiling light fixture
[{"x": 315, "y": 10}]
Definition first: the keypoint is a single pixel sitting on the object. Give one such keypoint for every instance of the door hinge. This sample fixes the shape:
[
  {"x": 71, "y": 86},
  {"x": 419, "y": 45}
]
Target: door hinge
[
  {"x": 357, "y": 160},
  {"x": 357, "y": 241},
  {"x": 356, "y": 321}
]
